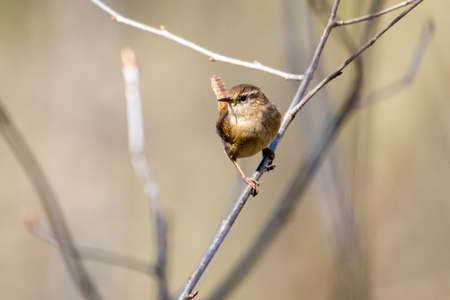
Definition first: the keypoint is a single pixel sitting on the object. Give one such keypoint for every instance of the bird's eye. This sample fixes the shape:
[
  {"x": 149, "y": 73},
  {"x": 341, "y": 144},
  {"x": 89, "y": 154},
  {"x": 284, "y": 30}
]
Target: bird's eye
[{"x": 243, "y": 98}]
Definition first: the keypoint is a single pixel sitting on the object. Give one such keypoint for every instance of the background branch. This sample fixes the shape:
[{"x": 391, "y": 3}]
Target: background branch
[
  {"x": 417, "y": 57},
  {"x": 92, "y": 253},
  {"x": 142, "y": 168},
  {"x": 213, "y": 56},
  {"x": 50, "y": 204}
]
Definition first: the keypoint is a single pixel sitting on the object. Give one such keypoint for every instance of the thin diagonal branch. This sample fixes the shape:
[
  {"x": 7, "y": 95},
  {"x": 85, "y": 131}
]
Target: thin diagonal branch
[
  {"x": 142, "y": 168},
  {"x": 228, "y": 222},
  {"x": 213, "y": 56},
  {"x": 50, "y": 204},
  {"x": 92, "y": 253},
  {"x": 374, "y": 15}
]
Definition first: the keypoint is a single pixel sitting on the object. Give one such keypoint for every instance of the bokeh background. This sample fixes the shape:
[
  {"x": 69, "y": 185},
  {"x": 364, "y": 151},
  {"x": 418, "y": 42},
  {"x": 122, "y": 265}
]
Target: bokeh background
[{"x": 386, "y": 178}]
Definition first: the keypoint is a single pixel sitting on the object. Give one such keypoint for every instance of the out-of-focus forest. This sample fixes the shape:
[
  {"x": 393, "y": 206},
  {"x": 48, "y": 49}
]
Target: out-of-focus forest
[{"x": 384, "y": 182}]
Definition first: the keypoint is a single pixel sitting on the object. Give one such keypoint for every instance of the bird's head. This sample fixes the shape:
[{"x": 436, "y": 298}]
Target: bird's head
[{"x": 244, "y": 98}]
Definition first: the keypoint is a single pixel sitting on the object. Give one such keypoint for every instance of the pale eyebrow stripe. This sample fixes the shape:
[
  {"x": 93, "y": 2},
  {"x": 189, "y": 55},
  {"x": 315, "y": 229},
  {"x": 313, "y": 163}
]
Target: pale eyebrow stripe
[{"x": 250, "y": 93}]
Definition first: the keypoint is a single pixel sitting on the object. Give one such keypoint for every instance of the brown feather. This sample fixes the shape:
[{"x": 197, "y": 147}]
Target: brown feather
[
  {"x": 247, "y": 127},
  {"x": 220, "y": 91}
]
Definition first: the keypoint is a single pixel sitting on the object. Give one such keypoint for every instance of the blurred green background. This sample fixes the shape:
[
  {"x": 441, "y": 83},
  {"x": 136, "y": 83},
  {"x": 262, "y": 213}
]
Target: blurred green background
[{"x": 61, "y": 81}]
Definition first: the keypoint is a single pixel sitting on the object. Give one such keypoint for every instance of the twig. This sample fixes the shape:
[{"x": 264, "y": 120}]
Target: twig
[
  {"x": 92, "y": 253},
  {"x": 346, "y": 62},
  {"x": 50, "y": 205},
  {"x": 227, "y": 223},
  {"x": 213, "y": 56},
  {"x": 374, "y": 15},
  {"x": 385, "y": 92},
  {"x": 142, "y": 167}
]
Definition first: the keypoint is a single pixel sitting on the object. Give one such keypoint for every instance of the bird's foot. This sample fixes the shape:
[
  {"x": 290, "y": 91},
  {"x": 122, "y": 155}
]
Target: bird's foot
[
  {"x": 253, "y": 183},
  {"x": 269, "y": 168},
  {"x": 270, "y": 154}
]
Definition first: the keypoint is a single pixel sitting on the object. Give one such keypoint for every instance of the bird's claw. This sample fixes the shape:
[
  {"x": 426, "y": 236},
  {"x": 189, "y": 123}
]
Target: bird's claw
[
  {"x": 253, "y": 183},
  {"x": 269, "y": 168},
  {"x": 270, "y": 154}
]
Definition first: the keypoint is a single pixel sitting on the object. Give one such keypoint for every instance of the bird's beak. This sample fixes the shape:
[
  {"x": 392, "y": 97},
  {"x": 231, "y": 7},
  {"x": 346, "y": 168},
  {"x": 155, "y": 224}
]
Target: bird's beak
[{"x": 225, "y": 99}]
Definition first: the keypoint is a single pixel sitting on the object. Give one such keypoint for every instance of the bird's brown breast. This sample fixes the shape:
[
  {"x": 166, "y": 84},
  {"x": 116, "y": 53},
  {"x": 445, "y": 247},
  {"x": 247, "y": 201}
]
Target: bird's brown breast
[{"x": 244, "y": 135}]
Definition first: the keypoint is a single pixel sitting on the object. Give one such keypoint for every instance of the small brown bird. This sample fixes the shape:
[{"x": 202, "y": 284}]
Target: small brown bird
[{"x": 247, "y": 122}]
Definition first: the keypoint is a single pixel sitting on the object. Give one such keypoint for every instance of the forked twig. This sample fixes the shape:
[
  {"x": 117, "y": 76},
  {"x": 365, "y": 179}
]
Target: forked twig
[
  {"x": 51, "y": 206},
  {"x": 213, "y": 56},
  {"x": 347, "y": 61},
  {"x": 375, "y": 14}
]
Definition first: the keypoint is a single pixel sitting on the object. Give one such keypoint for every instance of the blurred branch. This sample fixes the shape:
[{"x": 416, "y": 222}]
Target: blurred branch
[
  {"x": 417, "y": 57},
  {"x": 374, "y": 15},
  {"x": 91, "y": 253},
  {"x": 227, "y": 223},
  {"x": 331, "y": 187},
  {"x": 213, "y": 56},
  {"x": 336, "y": 206},
  {"x": 142, "y": 167},
  {"x": 50, "y": 204}
]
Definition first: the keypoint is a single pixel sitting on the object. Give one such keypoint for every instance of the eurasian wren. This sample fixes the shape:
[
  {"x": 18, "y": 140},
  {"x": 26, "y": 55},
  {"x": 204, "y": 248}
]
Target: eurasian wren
[{"x": 247, "y": 122}]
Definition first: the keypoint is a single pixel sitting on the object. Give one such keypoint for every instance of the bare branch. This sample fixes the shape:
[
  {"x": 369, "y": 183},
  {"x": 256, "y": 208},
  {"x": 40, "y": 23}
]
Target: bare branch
[
  {"x": 338, "y": 71},
  {"x": 142, "y": 167},
  {"x": 374, "y": 15},
  {"x": 384, "y": 93},
  {"x": 213, "y": 56},
  {"x": 50, "y": 205},
  {"x": 228, "y": 222},
  {"x": 91, "y": 253}
]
